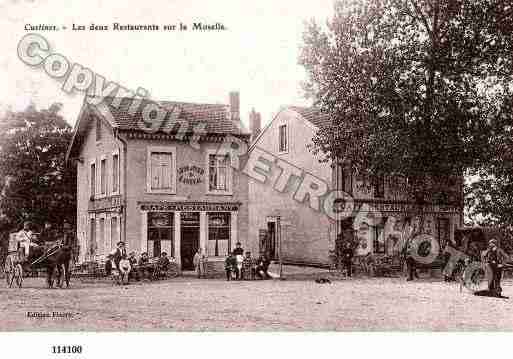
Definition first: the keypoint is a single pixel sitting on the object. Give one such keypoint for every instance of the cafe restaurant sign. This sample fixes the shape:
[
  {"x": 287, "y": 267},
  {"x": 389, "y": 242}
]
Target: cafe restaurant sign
[{"x": 190, "y": 174}]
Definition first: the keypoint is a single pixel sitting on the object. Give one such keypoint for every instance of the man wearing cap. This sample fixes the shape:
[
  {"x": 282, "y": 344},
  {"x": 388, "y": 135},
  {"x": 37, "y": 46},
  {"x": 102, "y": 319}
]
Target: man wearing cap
[{"x": 495, "y": 257}]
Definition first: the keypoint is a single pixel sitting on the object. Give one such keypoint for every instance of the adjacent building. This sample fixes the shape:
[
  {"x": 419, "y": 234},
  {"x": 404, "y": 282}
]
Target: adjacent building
[
  {"x": 382, "y": 211},
  {"x": 153, "y": 175}
]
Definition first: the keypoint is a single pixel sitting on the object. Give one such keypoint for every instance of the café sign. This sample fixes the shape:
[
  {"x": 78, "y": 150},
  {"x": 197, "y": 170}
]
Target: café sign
[{"x": 190, "y": 174}]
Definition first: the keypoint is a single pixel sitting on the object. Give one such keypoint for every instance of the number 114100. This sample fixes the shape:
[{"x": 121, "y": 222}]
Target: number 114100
[{"x": 66, "y": 349}]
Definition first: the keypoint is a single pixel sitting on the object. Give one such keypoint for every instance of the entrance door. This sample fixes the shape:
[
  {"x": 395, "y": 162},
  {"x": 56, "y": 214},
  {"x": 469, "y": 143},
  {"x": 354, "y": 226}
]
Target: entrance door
[
  {"x": 189, "y": 238},
  {"x": 270, "y": 246}
]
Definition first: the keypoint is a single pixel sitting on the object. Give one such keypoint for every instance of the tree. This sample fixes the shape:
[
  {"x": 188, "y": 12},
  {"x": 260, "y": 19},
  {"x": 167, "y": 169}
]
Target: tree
[
  {"x": 490, "y": 193},
  {"x": 35, "y": 182},
  {"x": 417, "y": 90}
]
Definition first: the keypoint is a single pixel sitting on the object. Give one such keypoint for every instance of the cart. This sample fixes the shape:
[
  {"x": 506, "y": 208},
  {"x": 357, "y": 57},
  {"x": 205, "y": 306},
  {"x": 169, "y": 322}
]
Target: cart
[{"x": 13, "y": 268}]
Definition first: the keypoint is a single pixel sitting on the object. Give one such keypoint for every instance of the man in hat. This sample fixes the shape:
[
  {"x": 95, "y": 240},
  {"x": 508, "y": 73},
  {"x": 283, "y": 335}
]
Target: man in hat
[
  {"x": 25, "y": 237},
  {"x": 495, "y": 257},
  {"x": 119, "y": 253}
]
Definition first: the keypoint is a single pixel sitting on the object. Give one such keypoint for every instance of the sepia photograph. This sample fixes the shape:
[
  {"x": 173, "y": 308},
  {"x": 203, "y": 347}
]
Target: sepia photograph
[{"x": 256, "y": 166}]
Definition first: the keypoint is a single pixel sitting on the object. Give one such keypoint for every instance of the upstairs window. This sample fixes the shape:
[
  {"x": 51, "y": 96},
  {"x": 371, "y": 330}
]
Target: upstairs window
[
  {"x": 115, "y": 173},
  {"x": 379, "y": 187},
  {"x": 282, "y": 134},
  {"x": 219, "y": 173},
  {"x": 103, "y": 174},
  {"x": 92, "y": 179},
  {"x": 98, "y": 129},
  {"x": 161, "y": 171}
]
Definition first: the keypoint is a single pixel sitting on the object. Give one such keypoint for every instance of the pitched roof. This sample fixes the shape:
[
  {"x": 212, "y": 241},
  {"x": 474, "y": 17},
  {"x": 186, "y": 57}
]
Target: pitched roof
[
  {"x": 116, "y": 111},
  {"x": 312, "y": 115},
  {"x": 215, "y": 116}
]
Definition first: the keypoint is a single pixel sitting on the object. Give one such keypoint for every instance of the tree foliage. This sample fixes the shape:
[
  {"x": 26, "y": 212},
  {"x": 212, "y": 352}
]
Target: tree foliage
[
  {"x": 35, "y": 182},
  {"x": 418, "y": 89}
]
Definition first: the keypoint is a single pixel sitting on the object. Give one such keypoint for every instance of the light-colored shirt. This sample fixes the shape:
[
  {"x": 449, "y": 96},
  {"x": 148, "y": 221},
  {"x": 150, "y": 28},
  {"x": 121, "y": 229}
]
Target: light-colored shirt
[{"x": 24, "y": 236}]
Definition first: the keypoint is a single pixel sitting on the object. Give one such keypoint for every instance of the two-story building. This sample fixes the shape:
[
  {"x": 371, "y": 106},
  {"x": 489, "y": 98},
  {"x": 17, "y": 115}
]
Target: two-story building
[
  {"x": 381, "y": 212},
  {"x": 153, "y": 175}
]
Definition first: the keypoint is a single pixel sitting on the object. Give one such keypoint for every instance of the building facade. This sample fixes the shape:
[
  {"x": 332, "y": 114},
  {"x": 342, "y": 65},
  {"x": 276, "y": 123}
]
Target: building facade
[
  {"x": 282, "y": 220},
  {"x": 163, "y": 186}
]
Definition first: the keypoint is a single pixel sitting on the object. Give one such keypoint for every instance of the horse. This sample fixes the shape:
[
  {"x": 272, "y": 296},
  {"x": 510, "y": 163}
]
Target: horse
[{"x": 56, "y": 258}]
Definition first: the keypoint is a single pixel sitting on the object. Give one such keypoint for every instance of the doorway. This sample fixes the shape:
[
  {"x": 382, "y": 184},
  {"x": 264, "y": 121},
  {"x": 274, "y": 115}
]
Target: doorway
[
  {"x": 270, "y": 245},
  {"x": 189, "y": 238}
]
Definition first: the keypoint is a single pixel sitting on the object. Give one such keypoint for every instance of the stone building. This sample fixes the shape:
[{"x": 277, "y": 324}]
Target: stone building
[
  {"x": 153, "y": 175},
  {"x": 295, "y": 214}
]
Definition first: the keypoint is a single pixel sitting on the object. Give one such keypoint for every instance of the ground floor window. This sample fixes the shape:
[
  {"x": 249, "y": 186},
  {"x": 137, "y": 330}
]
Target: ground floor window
[
  {"x": 443, "y": 229},
  {"x": 218, "y": 243},
  {"x": 91, "y": 248},
  {"x": 378, "y": 239},
  {"x": 160, "y": 233},
  {"x": 101, "y": 240},
  {"x": 114, "y": 233}
]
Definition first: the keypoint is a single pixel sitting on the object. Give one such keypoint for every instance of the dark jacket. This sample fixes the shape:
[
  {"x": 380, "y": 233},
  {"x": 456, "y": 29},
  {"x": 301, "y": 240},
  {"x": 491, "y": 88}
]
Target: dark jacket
[
  {"x": 347, "y": 255},
  {"x": 238, "y": 251},
  {"x": 164, "y": 263},
  {"x": 118, "y": 255},
  {"x": 229, "y": 263}
]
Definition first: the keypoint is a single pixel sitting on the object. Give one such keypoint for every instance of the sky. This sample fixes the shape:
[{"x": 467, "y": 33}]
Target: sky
[{"x": 257, "y": 55}]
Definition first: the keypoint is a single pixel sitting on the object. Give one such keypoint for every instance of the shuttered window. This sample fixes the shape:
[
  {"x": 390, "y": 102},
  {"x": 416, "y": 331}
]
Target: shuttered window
[
  {"x": 92, "y": 179},
  {"x": 115, "y": 173},
  {"x": 161, "y": 171},
  {"x": 103, "y": 176}
]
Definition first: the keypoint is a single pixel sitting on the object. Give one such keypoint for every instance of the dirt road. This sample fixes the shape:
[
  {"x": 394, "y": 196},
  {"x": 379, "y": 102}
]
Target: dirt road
[{"x": 192, "y": 304}]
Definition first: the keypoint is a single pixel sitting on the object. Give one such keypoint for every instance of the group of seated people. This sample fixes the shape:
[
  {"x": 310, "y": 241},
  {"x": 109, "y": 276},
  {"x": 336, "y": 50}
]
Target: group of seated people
[
  {"x": 142, "y": 268},
  {"x": 239, "y": 266}
]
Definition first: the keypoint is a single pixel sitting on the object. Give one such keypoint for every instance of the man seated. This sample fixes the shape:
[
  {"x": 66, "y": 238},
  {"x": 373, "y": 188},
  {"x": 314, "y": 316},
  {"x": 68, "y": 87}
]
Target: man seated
[
  {"x": 163, "y": 265},
  {"x": 25, "y": 239},
  {"x": 230, "y": 264},
  {"x": 144, "y": 259},
  {"x": 262, "y": 267},
  {"x": 134, "y": 273},
  {"x": 247, "y": 267},
  {"x": 142, "y": 266}
]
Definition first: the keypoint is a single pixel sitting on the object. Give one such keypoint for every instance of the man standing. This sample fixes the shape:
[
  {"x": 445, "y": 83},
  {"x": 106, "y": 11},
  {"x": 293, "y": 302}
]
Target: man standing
[
  {"x": 495, "y": 258},
  {"x": 238, "y": 253},
  {"x": 48, "y": 234},
  {"x": 347, "y": 258},
  {"x": 119, "y": 253},
  {"x": 411, "y": 265},
  {"x": 199, "y": 263}
]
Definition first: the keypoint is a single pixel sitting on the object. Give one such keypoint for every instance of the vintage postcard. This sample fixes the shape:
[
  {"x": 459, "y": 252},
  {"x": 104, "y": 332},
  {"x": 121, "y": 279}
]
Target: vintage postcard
[{"x": 269, "y": 166}]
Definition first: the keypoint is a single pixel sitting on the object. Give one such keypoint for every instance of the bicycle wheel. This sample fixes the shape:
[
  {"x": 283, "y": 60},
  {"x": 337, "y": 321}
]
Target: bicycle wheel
[
  {"x": 18, "y": 275},
  {"x": 8, "y": 271}
]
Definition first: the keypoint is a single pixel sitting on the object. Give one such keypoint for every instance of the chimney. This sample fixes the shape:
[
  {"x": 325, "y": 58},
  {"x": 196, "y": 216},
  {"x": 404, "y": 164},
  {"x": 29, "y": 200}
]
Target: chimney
[
  {"x": 255, "y": 124},
  {"x": 235, "y": 105}
]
